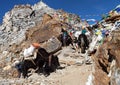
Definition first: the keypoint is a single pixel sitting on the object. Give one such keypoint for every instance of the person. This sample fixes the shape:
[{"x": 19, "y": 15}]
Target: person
[
  {"x": 83, "y": 30},
  {"x": 64, "y": 36}
]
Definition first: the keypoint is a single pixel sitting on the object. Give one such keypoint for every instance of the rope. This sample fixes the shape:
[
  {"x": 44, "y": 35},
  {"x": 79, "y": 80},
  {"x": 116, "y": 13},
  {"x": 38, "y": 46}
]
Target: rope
[
  {"x": 33, "y": 62},
  {"x": 29, "y": 59},
  {"x": 49, "y": 58}
]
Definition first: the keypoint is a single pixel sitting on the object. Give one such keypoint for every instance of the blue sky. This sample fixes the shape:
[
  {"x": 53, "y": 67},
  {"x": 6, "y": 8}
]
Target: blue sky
[{"x": 86, "y": 9}]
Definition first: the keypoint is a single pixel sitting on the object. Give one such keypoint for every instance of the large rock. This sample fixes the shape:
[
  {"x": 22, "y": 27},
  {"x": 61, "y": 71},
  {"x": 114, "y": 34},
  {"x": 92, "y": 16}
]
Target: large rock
[
  {"x": 45, "y": 30},
  {"x": 102, "y": 66},
  {"x": 112, "y": 19},
  {"x": 113, "y": 45},
  {"x": 100, "y": 77},
  {"x": 103, "y": 58},
  {"x": 11, "y": 73}
]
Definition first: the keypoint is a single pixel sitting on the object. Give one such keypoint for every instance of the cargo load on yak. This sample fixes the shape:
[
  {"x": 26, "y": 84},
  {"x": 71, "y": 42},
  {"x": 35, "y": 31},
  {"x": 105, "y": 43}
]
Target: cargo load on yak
[
  {"x": 52, "y": 45},
  {"x": 30, "y": 53}
]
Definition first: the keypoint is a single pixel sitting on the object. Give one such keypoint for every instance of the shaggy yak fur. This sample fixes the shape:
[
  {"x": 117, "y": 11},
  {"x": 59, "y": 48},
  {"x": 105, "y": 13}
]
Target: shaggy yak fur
[{"x": 83, "y": 42}]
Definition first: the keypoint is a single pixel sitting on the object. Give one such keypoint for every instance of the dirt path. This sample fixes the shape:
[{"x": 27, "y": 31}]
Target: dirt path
[
  {"x": 76, "y": 75},
  {"x": 75, "y": 72}
]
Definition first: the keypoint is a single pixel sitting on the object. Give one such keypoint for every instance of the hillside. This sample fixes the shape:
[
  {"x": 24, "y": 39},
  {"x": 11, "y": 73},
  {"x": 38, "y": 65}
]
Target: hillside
[{"x": 26, "y": 24}]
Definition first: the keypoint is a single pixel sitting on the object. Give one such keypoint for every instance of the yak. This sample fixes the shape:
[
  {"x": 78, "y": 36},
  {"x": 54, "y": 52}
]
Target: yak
[{"x": 44, "y": 63}]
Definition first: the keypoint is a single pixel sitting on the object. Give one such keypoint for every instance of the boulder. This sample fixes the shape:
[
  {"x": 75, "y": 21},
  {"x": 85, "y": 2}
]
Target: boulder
[
  {"x": 100, "y": 78},
  {"x": 11, "y": 73}
]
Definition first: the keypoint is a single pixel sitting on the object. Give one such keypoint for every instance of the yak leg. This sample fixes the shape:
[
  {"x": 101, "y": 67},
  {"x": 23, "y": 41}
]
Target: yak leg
[
  {"x": 50, "y": 57},
  {"x": 40, "y": 67},
  {"x": 48, "y": 66},
  {"x": 25, "y": 72},
  {"x": 46, "y": 69},
  {"x": 64, "y": 42}
]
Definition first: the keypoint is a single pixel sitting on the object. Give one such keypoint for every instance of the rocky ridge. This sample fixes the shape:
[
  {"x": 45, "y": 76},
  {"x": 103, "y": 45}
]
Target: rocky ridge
[{"x": 22, "y": 23}]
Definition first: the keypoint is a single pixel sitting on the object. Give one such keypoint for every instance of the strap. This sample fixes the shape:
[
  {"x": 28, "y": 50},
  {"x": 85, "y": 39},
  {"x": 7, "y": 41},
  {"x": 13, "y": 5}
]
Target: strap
[
  {"x": 49, "y": 58},
  {"x": 30, "y": 60},
  {"x": 41, "y": 55},
  {"x": 33, "y": 62}
]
